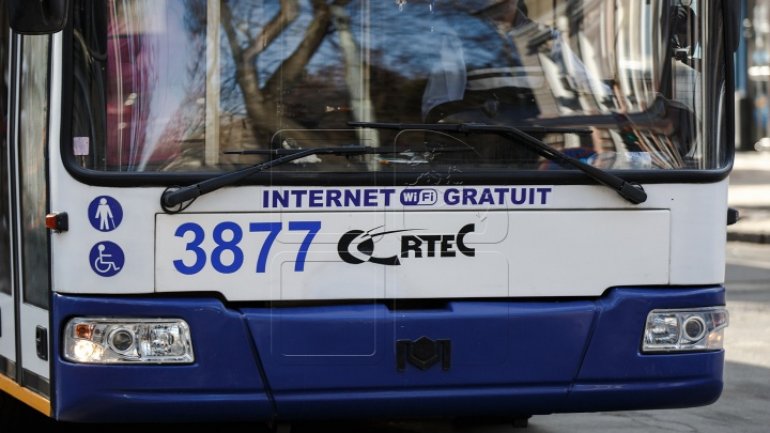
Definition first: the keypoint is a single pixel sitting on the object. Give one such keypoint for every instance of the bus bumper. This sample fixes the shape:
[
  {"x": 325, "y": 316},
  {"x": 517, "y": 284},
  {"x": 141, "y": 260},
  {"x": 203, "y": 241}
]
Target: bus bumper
[{"x": 386, "y": 360}]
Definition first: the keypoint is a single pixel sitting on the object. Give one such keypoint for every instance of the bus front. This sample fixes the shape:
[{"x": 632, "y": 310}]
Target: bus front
[{"x": 306, "y": 209}]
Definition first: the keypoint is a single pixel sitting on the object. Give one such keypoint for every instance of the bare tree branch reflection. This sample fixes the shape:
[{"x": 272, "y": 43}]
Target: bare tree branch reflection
[{"x": 262, "y": 103}]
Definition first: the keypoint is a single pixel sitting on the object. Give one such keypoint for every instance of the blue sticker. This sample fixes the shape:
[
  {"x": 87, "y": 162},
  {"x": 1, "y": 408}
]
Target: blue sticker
[
  {"x": 106, "y": 258},
  {"x": 105, "y": 213}
]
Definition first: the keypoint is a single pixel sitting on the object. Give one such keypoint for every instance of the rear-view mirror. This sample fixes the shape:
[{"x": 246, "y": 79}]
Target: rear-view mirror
[{"x": 37, "y": 16}]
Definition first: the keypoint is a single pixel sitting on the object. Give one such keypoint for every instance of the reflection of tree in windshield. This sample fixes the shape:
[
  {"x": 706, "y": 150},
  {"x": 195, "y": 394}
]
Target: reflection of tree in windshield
[
  {"x": 294, "y": 77},
  {"x": 268, "y": 59}
]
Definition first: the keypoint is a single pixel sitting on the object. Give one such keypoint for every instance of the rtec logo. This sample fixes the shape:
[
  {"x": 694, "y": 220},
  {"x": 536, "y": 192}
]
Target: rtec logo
[{"x": 357, "y": 246}]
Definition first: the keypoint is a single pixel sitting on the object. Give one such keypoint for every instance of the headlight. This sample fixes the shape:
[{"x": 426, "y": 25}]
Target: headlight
[
  {"x": 107, "y": 341},
  {"x": 685, "y": 330}
]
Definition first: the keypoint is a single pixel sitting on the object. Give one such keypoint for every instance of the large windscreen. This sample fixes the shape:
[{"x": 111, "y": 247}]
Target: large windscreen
[{"x": 205, "y": 86}]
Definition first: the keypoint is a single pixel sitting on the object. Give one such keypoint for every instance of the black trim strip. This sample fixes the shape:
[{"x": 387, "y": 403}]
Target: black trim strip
[
  {"x": 36, "y": 383},
  {"x": 556, "y": 177},
  {"x": 729, "y": 87},
  {"x": 13, "y": 144},
  {"x": 7, "y": 367}
]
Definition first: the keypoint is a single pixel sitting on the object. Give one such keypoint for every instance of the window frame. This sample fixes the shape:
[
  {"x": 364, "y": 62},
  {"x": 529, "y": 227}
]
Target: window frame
[{"x": 395, "y": 178}]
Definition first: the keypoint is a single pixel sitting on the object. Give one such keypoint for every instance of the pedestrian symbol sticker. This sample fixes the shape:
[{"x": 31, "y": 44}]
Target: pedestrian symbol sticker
[
  {"x": 106, "y": 258},
  {"x": 105, "y": 213}
]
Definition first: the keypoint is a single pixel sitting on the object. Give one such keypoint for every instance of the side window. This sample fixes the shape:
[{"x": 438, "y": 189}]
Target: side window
[
  {"x": 5, "y": 215},
  {"x": 33, "y": 134}
]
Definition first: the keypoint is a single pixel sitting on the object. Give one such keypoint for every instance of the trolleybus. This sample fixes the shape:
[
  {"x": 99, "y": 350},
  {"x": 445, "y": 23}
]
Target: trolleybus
[{"x": 275, "y": 210}]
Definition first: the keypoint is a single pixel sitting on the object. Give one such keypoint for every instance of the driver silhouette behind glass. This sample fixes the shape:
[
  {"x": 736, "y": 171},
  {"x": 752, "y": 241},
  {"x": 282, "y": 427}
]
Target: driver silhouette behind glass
[
  {"x": 491, "y": 70},
  {"x": 492, "y": 67},
  {"x": 460, "y": 83}
]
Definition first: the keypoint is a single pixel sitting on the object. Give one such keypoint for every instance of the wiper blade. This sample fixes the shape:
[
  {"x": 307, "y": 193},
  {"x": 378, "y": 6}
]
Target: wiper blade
[
  {"x": 630, "y": 191},
  {"x": 530, "y": 128},
  {"x": 172, "y": 198}
]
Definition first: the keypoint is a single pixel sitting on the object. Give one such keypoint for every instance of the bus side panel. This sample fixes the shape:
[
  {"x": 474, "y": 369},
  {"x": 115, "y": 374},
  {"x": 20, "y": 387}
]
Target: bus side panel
[{"x": 224, "y": 382}]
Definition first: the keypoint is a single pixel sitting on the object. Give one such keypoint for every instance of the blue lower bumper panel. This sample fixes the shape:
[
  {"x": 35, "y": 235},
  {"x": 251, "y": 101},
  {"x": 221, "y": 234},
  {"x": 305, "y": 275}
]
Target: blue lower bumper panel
[
  {"x": 392, "y": 359},
  {"x": 225, "y": 381}
]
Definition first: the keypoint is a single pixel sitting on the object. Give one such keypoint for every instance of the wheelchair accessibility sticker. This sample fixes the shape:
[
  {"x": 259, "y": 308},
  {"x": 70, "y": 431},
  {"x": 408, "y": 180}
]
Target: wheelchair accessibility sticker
[
  {"x": 106, "y": 258},
  {"x": 105, "y": 213}
]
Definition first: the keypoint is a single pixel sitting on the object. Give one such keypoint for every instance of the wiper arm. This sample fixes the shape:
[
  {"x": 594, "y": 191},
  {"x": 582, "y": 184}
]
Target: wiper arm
[
  {"x": 472, "y": 127},
  {"x": 630, "y": 191},
  {"x": 172, "y": 198}
]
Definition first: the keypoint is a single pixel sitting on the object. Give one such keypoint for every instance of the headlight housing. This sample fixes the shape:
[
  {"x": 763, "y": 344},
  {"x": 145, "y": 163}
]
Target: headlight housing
[
  {"x": 128, "y": 340},
  {"x": 685, "y": 330}
]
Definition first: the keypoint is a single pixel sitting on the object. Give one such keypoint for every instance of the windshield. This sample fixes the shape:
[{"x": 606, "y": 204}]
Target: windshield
[{"x": 196, "y": 86}]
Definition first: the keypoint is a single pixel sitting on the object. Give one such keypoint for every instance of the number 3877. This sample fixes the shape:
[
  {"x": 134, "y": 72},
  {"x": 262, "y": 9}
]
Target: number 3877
[{"x": 227, "y": 256}]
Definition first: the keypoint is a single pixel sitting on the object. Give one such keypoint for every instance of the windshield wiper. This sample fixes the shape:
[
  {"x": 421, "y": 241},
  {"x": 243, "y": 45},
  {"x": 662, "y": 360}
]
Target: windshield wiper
[
  {"x": 530, "y": 128},
  {"x": 630, "y": 191},
  {"x": 172, "y": 198}
]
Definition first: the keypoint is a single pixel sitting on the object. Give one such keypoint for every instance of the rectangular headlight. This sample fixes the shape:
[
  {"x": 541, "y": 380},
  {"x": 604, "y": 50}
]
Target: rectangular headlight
[
  {"x": 121, "y": 340},
  {"x": 685, "y": 330}
]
